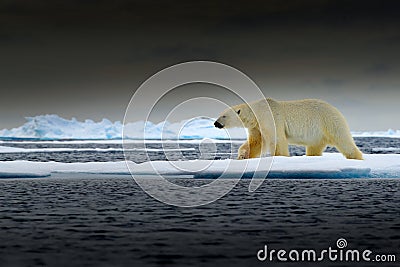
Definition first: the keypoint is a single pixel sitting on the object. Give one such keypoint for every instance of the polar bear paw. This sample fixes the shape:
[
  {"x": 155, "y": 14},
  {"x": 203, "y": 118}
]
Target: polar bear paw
[{"x": 240, "y": 157}]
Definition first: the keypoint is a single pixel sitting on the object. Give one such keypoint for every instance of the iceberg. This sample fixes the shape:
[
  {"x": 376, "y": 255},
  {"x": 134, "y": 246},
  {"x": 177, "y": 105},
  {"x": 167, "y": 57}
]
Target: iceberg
[
  {"x": 329, "y": 166},
  {"x": 388, "y": 133},
  {"x": 53, "y": 127},
  {"x": 198, "y": 128}
]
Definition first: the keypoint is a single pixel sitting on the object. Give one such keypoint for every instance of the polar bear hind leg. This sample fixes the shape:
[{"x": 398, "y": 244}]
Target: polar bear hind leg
[
  {"x": 344, "y": 142},
  {"x": 350, "y": 151}
]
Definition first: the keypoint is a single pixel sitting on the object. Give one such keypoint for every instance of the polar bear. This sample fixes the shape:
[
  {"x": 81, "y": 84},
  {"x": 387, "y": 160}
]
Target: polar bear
[{"x": 309, "y": 122}]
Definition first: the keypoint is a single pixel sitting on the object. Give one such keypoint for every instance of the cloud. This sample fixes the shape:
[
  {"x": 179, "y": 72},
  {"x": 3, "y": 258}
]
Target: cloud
[{"x": 92, "y": 54}]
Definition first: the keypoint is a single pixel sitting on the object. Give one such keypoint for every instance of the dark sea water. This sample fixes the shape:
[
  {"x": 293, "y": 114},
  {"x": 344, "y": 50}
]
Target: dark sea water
[
  {"x": 369, "y": 145},
  {"x": 100, "y": 220},
  {"x": 109, "y": 221}
]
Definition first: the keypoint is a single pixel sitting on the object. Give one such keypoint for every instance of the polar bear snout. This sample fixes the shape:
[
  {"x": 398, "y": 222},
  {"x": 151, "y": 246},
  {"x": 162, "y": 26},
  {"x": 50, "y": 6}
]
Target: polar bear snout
[{"x": 218, "y": 124}]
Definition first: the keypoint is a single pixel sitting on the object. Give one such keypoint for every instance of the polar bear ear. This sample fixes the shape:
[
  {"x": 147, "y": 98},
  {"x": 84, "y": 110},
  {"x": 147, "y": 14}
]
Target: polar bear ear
[{"x": 238, "y": 112}]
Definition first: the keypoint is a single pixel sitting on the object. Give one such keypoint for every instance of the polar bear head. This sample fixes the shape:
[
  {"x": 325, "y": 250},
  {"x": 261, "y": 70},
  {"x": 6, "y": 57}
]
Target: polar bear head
[{"x": 236, "y": 116}]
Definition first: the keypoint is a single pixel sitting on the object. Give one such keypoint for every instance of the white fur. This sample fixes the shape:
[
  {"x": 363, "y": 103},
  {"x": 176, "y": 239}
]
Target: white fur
[{"x": 310, "y": 122}]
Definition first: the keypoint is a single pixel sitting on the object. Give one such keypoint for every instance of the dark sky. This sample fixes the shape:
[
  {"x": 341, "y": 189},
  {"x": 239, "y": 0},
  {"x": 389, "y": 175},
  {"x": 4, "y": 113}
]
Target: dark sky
[{"x": 85, "y": 59}]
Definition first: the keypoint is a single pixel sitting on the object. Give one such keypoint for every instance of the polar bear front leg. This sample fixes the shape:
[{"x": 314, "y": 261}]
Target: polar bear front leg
[{"x": 244, "y": 151}]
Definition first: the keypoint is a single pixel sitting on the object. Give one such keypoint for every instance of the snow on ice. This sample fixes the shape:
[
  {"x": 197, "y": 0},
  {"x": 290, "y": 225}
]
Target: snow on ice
[{"x": 330, "y": 165}]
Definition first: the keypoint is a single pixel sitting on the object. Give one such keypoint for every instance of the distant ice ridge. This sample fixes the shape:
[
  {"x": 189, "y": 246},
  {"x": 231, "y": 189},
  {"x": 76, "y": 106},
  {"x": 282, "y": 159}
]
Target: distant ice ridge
[
  {"x": 388, "y": 133},
  {"x": 53, "y": 127},
  {"x": 329, "y": 166}
]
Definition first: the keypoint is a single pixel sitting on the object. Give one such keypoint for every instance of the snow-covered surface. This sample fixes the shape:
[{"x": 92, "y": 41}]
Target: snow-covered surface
[
  {"x": 119, "y": 141},
  {"x": 28, "y": 169},
  {"x": 53, "y": 127},
  {"x": 7, "y": 149},
  {"x": 328, "y": 166}
]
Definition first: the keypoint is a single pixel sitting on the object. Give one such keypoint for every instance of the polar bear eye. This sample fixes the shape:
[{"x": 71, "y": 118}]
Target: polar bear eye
[{"x": 238, "y": 112}]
